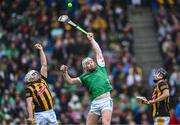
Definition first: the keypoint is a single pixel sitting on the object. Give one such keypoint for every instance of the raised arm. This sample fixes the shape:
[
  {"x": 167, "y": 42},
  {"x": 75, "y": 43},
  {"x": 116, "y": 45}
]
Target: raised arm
[
  {"x": 96, "y": 49},
  {"x": 67, "y": 78},
  {"x": 42, "y": 59}
]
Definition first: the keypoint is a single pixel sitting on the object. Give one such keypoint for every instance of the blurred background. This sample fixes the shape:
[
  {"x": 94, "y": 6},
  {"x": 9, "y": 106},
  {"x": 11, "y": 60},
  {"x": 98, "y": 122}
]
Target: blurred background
[{"x": 136, "y": 36}]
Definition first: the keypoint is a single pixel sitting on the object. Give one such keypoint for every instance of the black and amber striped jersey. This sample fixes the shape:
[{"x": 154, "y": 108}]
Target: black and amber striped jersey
[
  {"x": 160, "y": 108},
  {"x": 41, "y": 95}
]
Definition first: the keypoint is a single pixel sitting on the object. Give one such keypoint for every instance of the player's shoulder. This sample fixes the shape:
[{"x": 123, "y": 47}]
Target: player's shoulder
[
  {"x": 102, "y": 68},
  {"x": 84, "y": 74},
  {"x": 99, "y": 67},
  {"x": 43, "y": 81},
  {"x": 29, "y": 87},
  {"x": 162, "y": 83}
]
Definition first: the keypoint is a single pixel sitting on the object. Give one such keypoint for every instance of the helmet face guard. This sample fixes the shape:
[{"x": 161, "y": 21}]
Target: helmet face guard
[
  {"x": 159, "y": 74},
  {"x": 84, "y": 61},
  {"x": 32, "y": 76}
]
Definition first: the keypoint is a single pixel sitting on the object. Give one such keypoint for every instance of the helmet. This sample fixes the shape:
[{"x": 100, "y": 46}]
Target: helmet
[
  {"x": 84, "y": 64},
  {"x": 160, "y": 71},
  {"x": 32, "y": 76},
  {"x": 85, "y": 60}
]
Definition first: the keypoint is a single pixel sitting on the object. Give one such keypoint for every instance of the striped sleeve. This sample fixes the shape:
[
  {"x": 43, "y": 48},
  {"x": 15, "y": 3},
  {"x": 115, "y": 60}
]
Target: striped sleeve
[
  {"x": 163, "y": 86},
  {"x": 28, "y": 93}
]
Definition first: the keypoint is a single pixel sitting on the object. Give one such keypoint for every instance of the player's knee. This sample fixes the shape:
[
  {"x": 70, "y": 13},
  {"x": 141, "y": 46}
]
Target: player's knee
[{"x": 106, "y": 121}]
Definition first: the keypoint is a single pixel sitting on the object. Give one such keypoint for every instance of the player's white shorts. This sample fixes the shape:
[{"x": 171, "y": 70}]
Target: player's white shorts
[
  {"x": 98, "y": 106},
  {"x": 161, "y": 121},
  {"x": 46, "y": 117}
]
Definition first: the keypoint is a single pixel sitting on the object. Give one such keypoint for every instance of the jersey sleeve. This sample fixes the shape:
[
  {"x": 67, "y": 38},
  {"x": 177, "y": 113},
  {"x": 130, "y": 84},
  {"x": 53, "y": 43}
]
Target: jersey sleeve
[
  {"x": 28, "y": 93},
  {"x": 101, "y": 62},
  {"x": 163, "y": 86},
  {"x": 81, "y": 78},
  {"x": 78, "y": 78}
]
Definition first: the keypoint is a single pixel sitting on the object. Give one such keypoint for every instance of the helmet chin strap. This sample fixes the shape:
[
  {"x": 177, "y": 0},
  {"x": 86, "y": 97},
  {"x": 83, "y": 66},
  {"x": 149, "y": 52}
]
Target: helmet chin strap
[
  {"x": 158, "y": 81},
  {"x": 155, "y": 80}
]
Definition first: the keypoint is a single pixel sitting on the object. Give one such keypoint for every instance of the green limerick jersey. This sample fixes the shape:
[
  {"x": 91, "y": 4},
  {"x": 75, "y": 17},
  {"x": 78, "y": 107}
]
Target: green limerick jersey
[{"x": 96, "y": 82}]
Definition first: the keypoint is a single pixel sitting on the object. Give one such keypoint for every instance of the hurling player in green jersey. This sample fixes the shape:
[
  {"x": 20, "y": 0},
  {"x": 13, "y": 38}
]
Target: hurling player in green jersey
[{"x": 95, "y": 79}]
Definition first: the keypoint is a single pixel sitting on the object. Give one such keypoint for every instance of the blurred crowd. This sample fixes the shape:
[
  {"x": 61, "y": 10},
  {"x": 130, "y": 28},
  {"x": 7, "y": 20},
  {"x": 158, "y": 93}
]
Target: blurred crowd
[{"x": 24, "y": 23}]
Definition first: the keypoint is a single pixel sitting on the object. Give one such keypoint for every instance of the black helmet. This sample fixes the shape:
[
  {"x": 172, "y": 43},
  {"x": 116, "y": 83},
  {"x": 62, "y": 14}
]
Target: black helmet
[{"x": 161, "y": 71}]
